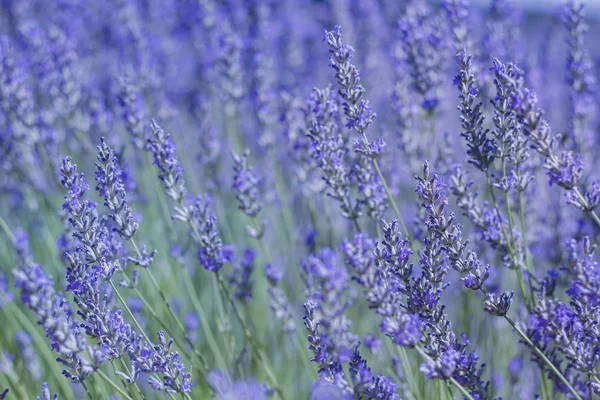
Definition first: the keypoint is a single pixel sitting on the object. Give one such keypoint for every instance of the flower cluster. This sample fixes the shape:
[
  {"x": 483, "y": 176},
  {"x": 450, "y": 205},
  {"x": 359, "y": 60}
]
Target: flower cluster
[{"x": 256, "y": 247}]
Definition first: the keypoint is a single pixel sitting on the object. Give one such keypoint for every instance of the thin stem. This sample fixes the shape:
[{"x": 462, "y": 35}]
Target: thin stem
[
  {"x": 511, "y": 253},
  {"x": 106, "y": 379},
  {"x": 556, "y": 372},
  {"x": 178, "y": 322},
  {"x": 544, "y": 387},
  {"x": 248, "y": 334},
  {"x": 514, "y": 244},
  {"x": 7, "y": 231},
  {"x": 124, "y": 304},
  {"x": 266, "y": 253},
  {"x": 112, "y": 362},
  {"x": 528, "y": 264},
  {"x": 212, "y": 343},
  {"x": 87, "y": 391},
  {"x": 406, "y": 368},
  {"x": 387, "y": 192},
  {"x": 204, "y": 365}
]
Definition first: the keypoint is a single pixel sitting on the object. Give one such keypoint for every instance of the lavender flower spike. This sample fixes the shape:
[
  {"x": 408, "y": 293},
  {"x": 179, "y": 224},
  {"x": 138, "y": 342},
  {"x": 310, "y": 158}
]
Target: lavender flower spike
[
  {"x": 481, "y": 149},
  {"x": 53, "y": 314},
  {"x": 358, "y": 111},
  {"x": 245, "y": 184},
  {"x": 170, "y": 171},
  {"x": 359, "y": 117},
  {"x": 110, "y": 186}
]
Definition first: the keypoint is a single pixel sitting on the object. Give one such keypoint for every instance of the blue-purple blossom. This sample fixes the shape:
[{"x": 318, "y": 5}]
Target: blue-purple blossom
[
  {"x": 241, "y": 277},
  {"x": 278, "y": 301},
  {"x": 581, "y": 79},
  {"x": 212, "y": 254},
  {"x": 170, "y": 171},
  {"x": 225, "y": 388},
  {"x": 359, "y": 116},
  {"x": 92, "y": 263},
  {"x": 246, "y": 185},
  {"x": 5, "y": 295},
  {"x": 46, "y": 393},
  {"x": 330, "y": 149},
  {"x": 133, "y": 111},
  {"x": 225, "y": 76},
  {"x": 325, "y": 310},
  {"x": 480, "y": 147},
  {"x": 54, "y": 315},
  {"x": 110, "y": 186},
  {"x": 498, "y": 305}
]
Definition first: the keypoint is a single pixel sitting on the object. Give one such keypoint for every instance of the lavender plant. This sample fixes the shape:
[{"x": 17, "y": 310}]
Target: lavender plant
[{"x": 252, "y": 240}]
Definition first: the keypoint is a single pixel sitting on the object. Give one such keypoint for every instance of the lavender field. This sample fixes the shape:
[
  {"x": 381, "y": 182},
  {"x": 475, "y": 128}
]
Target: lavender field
[{"x": 277, "y": 199}]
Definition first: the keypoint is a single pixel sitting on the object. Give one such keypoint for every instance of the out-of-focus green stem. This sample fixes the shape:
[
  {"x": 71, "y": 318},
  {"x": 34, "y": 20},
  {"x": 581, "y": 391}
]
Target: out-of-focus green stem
[{"x": 212, "y": 343}]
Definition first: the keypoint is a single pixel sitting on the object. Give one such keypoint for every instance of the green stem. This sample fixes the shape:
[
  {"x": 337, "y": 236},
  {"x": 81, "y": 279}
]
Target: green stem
[
  {"x": 106, "y": 379},
  {"x": 509, "y": 246},
  {"x": 544, "y": 385},
  {"x": 407, "y": 370},
  {"x": 549, "y": 363},
  {"x": 388, "y": 193},
  {"x": 7, "y": 231},
  {"x": 87, "y": 390},
  {"x": 212, "y": 343},
  {"x": 248, "y": 335},
  {"x": 124, "y": 304},
  {"x": 123, "y": 383},
  {"x": 584, "y": 201},
  {"x": 528, "y": 264},
  {"x": 203, "y": 364}
]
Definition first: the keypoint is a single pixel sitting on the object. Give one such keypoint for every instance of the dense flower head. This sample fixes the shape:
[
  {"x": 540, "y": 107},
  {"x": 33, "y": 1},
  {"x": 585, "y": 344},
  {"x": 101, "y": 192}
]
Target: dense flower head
[
  {"x": 241, "y": 278},
  {"x": 580, "y": 77},
  {"x": 212, "y": 254},
  {"x": 92, "y": 263},
  {"x": 458, "y": 14},
  {"x": 274, "y": 206},
  {"x": 53, "y": 314},
  {"x": 330, "y": 149},
  {"x": 246, "y": 185},
  {"x": 110, "y": 186},
  {"x": 325, "y": 310},
  {"x": 421, "y": 38},
  {"x": 132, "y": 110},
  {"x": 170, "y": 171},
  {"x": 481, "y": 147}
]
